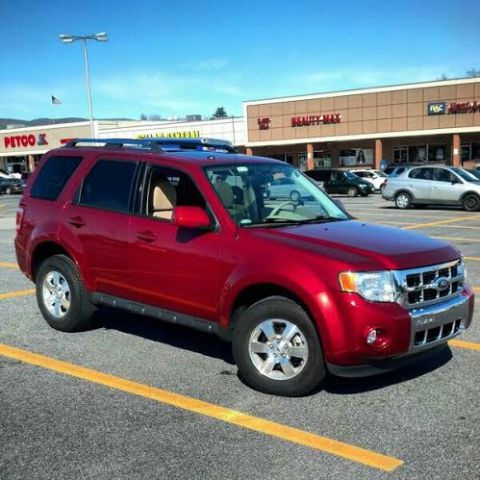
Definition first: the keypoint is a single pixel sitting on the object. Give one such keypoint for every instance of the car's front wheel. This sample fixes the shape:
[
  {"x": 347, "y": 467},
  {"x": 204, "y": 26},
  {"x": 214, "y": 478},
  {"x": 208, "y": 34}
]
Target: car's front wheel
[
  {"x": 352, "y": 192},
  {"x": 471, "y": 202},
  {"x": 61, "y": 296},
  {"x": 403, "y": 200},
  {"x": 277, "y": 349}
]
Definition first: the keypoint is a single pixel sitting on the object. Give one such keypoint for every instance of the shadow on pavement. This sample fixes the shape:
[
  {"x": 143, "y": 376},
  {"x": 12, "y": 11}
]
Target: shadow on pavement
[
  {"x": 345, "y": 386},
  {"x": 159, "y": 331}
]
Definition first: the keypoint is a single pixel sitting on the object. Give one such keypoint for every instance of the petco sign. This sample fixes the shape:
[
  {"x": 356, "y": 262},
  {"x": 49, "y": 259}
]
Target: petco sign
[{"x": 21, "y": 141}]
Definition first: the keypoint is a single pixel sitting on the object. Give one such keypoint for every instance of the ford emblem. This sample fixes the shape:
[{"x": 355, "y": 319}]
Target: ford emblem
[{"x": 442, "y": 284}]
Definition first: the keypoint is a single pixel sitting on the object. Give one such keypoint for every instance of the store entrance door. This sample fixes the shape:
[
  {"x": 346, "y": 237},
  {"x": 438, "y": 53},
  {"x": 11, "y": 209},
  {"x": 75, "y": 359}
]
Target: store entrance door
[{"x": 322, "y": 158}]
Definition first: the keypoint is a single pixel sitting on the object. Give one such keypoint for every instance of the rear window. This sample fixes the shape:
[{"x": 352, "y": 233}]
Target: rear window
[
  {"x": 108, "y": 185},
  {"x": 53, "y": 176}
]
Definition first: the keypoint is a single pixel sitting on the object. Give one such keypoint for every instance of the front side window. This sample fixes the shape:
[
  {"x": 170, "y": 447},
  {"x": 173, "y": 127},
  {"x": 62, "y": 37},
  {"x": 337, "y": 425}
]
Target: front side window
[
  {"x": 53, "y": 176},
  {"x": 167, "y": 188},
  {"x": 108, "y": 185},
  {"x": 261, "y": 194},
  {"x": 462, "y": 173}
]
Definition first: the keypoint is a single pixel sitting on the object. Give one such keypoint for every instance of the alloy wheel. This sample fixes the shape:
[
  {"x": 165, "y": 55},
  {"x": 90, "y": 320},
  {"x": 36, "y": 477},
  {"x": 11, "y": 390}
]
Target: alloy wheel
[
  {"x": 278, "y": 349},
  {"x": 56, "y": 294}
]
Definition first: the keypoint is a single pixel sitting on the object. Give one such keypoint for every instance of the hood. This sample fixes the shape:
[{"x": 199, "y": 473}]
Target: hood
[{"x": 362, "y": 245}]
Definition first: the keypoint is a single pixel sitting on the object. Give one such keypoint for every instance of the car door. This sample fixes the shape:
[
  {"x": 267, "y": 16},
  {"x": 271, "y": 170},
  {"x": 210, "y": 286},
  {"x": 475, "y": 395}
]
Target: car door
[
  {"x": 446, "y": 186},
  {"x": 98, "y": 218},
  {"x": 173, "y": 268},
  {"x": 335, "y": 183},
  {"x": 419, "y": 183}
]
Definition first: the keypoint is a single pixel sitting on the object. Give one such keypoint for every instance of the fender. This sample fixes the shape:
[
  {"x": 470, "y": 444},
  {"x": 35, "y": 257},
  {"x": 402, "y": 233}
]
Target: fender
[
  {"x": 308, "y": 286},
  {"x": 67, "y": 242}
]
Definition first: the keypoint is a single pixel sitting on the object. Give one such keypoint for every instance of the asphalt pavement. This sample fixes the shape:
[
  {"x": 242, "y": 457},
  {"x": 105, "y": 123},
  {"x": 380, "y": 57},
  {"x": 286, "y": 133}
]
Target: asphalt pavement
[{"x": 58, "y": 424}]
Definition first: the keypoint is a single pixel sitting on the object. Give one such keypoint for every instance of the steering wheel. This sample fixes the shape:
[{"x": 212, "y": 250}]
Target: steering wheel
[{"x": 282, "y": 206}]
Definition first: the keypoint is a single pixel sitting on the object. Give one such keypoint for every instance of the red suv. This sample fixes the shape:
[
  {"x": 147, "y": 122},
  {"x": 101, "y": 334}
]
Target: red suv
[{"x": 190, "y": 237}]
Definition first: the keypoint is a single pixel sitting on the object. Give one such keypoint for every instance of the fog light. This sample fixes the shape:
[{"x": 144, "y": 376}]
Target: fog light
[{"x": 372, "y": 336}]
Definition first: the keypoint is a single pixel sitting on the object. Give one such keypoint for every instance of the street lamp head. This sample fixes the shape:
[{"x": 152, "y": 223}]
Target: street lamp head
[
  {"x": 101, "y": 37},
  {"x": 66, "y": 38}
]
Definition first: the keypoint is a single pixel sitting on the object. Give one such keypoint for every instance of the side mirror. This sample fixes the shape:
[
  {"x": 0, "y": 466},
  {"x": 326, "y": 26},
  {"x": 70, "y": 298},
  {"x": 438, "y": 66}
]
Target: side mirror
[{"x": 191, "y": 217}]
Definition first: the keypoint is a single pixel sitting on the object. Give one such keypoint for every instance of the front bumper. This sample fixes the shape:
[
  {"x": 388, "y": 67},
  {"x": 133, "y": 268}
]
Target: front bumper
[{"x": 430, "y": 329}]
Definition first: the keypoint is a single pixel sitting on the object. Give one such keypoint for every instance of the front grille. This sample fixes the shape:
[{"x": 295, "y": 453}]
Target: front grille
[
  {"x": 423, "y": 337},
  {"x": 429, "y": 285}
]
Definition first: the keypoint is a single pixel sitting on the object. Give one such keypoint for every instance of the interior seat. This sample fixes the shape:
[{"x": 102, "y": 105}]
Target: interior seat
[{"x": 164, "y": 199}]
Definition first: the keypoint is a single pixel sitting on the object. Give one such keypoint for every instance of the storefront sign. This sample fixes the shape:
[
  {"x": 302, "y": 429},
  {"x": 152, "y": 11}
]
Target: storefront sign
[
  {"x": 440, "y": 108},
  {"x": 467, "y": 107},
  {"x": 324, "y": 119},
  {"x": 263, "y": 123},
  {"x": 437, "y": 108},
  {"x": 18, "y": 141},
  {"x": 187, "y": 134}
]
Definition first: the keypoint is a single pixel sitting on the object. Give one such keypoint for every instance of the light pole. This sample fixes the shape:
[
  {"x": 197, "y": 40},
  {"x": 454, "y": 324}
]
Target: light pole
[{"x": 99, "y": 37}]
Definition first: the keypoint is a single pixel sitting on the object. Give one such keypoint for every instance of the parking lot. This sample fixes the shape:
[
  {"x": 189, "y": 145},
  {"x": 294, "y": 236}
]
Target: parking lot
[{"x": 154, "y": 400}]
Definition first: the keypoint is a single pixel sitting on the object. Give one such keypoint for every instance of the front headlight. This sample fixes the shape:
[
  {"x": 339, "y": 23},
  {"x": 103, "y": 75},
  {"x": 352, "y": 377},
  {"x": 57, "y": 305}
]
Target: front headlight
[{"x": 373, "y": 286}]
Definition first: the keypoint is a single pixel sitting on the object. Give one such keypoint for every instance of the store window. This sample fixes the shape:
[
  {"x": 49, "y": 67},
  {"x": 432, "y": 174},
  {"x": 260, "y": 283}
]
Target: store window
[
  {"x": 284, "y": 157},
  {"x": 438, "y": 153},
  {"x": 356, "y": 157},
  {"x": 417, "y": 153},
  {"x": 322, "y": 158},
  {"x": 302, "y": 162},
  {"x": 400, "y": 154}
]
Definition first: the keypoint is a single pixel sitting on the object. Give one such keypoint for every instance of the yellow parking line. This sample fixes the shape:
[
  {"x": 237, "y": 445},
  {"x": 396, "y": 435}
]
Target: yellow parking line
[
  {"x": 284, "y": 432},
  {"x": 18, "y": 293},
  {"x": 467, "y": 345},
  {"x": 441, "y": 222},
  {"x": 8, "y": 265},
  {"x": 457, "y": 239},
  {"x": 476, "y": 289},
  {"x": 476, "y": 259},
  {"x": 469, "y": 227}
]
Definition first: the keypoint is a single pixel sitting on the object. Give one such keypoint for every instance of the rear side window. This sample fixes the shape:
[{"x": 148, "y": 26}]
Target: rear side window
[
  {"x": 53, "y": 176},
  {"x": 108, "y": 185}
]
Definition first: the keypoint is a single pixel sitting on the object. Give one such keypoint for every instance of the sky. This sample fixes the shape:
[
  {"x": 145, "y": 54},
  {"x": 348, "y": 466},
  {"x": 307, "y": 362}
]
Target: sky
[{"x": 173, "y": 58}]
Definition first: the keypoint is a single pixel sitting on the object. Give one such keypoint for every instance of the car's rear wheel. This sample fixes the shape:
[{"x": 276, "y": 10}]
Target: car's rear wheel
[
  {"x": 352, "y": 192},
  {"x": 8, "y": 191},
  {"x": 295, "y": 196},
  {"x": 61, "y": 296},
  {"x": 471, "y": 202},
  {"x": 403, "y": 200},
  {"x": 277, "y": 349}
]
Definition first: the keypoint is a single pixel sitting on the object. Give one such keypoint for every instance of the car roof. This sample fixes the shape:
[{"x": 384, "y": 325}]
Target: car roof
[{"x": 191, "y": 157}]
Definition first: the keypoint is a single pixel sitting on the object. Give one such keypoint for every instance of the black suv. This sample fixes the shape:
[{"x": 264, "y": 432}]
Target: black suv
[{"x": 341, "y": 181}]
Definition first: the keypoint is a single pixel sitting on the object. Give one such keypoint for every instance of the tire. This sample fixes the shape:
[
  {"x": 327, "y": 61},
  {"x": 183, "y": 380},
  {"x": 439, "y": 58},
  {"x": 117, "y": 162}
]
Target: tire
[
  {"x": 295, "y": 196},
  {"x": 471, "y": 202},
  {"x": 403, "y": 200},
  {"x": 61, "y": 296},
  {"x": 352, "y": 192},
  {"x": 304, "y": 372},
  {"x": 8, "y": 191}
]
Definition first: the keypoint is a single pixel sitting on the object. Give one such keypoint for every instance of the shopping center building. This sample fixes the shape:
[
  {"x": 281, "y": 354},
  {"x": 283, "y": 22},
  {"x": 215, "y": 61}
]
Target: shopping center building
[
  {"x": 424, "y": 122},
  {"x": 436, "y": 122},
  {"x": 21, "y": 148}
]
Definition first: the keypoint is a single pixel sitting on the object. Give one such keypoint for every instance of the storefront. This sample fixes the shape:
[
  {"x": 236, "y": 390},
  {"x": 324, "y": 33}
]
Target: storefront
[
  {"x": 230, "y": 128},
  {"x": 434, "y": 122},
  {"x": 22, "y": 148}
]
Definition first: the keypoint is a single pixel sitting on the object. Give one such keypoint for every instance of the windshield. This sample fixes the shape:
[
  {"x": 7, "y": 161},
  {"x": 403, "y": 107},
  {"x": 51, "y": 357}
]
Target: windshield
[
  {"x": 464, "y": 174},
  {"x": 261, "y": 194}
]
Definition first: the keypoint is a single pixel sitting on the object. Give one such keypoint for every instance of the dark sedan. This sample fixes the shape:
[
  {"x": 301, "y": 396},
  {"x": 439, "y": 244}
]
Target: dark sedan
[{"x": 9, "y": 186}]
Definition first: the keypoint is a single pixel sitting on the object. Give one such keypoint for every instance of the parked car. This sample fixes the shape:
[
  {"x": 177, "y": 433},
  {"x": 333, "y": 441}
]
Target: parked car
[
  {"x": 299, "y": 289},
  {"x": 5, "y": 174},
  {"x": 341, "y": 181},
  {"x": 285, "y": 187},
  {"x": 434, "y": 186},
  {"x": 375, "y": 177},
  {"x": 9, "y": 186}
]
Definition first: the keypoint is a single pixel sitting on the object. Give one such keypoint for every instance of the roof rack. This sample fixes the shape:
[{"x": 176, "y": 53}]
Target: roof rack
[{"x": 158, "y": 144}]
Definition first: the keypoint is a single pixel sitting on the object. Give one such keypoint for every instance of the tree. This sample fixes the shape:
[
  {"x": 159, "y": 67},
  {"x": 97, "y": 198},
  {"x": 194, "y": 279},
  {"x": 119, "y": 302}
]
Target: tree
[
  {"x": 143, "y": 117},
  {"x": 220, "y": 113},
  {"x": 443, "y": 77},
  {"x": 474, "y": 72}
]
